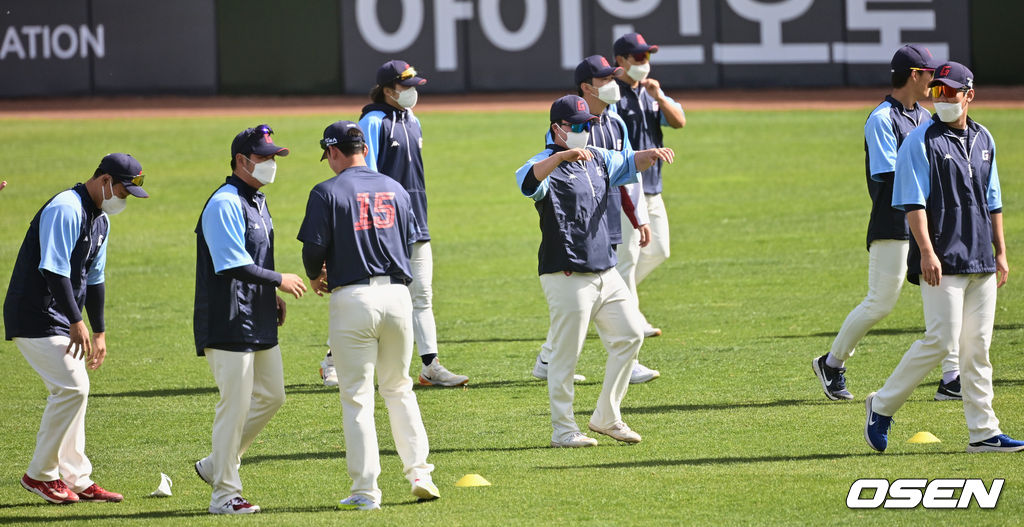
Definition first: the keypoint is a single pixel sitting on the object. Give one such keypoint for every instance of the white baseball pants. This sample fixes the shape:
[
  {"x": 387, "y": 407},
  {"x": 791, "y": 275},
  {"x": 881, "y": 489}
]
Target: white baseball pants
[
  {"x": 371, "y": 331},
  {"x": 251, "y": 388},
  {"x": 573, "y": 302},
  {"x": 60, "y": 442},
  {"x": 887, "y": 270},
  {"x": 421, "y": 262},
  {"x": 657, "y": 251},
  {"x": 960, "y": 311}
]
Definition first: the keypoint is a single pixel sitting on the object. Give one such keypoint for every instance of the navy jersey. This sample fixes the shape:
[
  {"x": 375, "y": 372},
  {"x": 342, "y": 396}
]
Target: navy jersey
[
  {"x": 365, "y": 221},
  {"x": 952, "y": 174},
  {"x": 643, "y": 118},
  {"x": 68, "y": 237},
  {"x": 609, "y": 132},
  {"x": 572, "y": 202},
  {"x": 884, "y": 131},
  {"x": 394, "y": 142},
  {"x": 234, "y": 230}
]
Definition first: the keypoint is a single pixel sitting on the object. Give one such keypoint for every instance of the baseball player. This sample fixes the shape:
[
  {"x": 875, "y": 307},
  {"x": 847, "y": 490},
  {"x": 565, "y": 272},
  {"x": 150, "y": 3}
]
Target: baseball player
[
  {"x": 594, "y": 78},
  {"x": 645, "y": 108},
  {"x": 888, "y": 239},
  {"x": 395, "y": 143},
  {"x": 356, "y": 239},
  {"x": 60, "y": 271},
  {"x": 237, "y": 312},
  {"x": 569, "y": 183},
  {"x": 948, "y": 184}
]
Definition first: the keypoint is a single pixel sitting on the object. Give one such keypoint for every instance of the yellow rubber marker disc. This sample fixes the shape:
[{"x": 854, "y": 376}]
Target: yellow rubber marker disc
[
  {"x": 472, "y": 480},
  {"x": 924, "y": 437}
]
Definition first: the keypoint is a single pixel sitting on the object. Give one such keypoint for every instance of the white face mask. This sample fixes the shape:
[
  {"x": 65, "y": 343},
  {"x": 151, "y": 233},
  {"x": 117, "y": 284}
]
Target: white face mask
[
  {"x": 264, "y": 172},
  {"x": 639, "y": 72},
  {"x": 575, "y": 139},
  {"x": 407, "y": 99},
  {"x": 948, "y": 111},
  {"x": 609, "y": 93},
  {"x": 112, "y": 205}
]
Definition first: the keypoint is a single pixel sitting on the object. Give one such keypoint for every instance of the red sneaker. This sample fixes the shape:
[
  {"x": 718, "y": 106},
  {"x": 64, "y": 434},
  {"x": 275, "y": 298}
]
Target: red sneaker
[
  {"x": 52, "y": 491},
  {"x": 98, "y": 493}
]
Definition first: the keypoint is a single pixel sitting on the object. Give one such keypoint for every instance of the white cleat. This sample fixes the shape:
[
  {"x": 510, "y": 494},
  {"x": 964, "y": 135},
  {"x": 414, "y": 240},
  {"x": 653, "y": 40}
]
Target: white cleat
[
  {"x": 327, "y": 372},
  {"x": 642, "y": 374},
  {"x": 434, "y": 374},
  {"x": 576, "y": 440},
  {"x": 618, "y": 431},
  {"x": 540, "y": 371},
  {"x": 651, "y": 331},
  {"x": 424, "y": 489},
  {"x": 358, "y": 502}
]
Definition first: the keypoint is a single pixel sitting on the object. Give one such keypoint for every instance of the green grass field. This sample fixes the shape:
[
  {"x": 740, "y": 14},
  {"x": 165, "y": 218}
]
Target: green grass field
[{"x": 768, "y": 212}]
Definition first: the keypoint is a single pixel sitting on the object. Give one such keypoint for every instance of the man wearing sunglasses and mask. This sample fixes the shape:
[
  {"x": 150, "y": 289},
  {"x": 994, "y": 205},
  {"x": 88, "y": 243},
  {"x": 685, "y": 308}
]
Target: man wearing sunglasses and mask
[
  {"x": 395, "y": 143},
  {"x": 888, "y": 238},
  {"x": 627, "y": 218},
  {"x": 948, "y": 184},
  {"x": 570, "y": 183},
  {"x": 60, "y": 270},
  {"x": 645, "y": 108},
  {"x": 237, "y": 312}
]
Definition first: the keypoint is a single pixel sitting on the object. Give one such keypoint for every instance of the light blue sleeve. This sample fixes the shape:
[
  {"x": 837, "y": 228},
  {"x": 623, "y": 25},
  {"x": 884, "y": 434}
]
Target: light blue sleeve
[
  {"x": 370, "y": 125},
  {"x": 60, "y": 225},
  {"x": 912, "y": 183},
  {"x": 664, "y": 122},
  {"x": 995, "y": 194},
  {"x": 621, "y": 166},
  {"x": 542, "y": 189},
  {"x": 99, "y": 264},
  {"x": 224, "y": 230},
  {"x": 881, "y": 143}
]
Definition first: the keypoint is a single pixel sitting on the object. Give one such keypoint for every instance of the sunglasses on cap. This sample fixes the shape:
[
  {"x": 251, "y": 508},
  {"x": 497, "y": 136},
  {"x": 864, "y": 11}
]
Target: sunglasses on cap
[
  {"x": 135, "y": 180},
  {"x": 942, "y": 90},
  {"x": 640, "y": 57},
  {"x": 262, "y": 129},
  {"x": 580, "y": 127},
  {"x": 409, "y": 73}
]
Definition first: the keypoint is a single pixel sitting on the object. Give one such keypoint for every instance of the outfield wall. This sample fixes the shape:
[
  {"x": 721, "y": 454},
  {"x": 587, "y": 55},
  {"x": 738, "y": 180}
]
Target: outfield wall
[{"x": 101, "y": 47}]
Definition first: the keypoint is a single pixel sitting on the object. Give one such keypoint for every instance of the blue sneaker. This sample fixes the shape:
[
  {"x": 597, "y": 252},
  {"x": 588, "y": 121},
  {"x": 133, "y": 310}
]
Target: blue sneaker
[
  {"x": 999, "y": 443},
  {"x": 876, "y": 426},
  {"x": 949, "y": 391},
  {"x": 832, "y": 379}
]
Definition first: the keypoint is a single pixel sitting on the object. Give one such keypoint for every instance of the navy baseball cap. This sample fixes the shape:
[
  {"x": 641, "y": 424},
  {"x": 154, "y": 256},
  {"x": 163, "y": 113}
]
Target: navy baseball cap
[
  {"x": 398, "y": 71},
  {"x": 954, "y": 75},
  {"x": 340, "y": 132},
  {"x": 594, "y": 66},
  {"x": 257, "y": 141},
  {"x": 631, "y": 43},
  {"x": 127, "y": 170},
  {"x": 572, "y": 109},
  {"x": 913, "y": 56}
]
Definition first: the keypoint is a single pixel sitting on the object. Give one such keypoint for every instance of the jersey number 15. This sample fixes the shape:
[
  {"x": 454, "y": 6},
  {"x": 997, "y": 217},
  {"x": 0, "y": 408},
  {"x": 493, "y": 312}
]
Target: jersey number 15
[{"x": 383, "y": 210}]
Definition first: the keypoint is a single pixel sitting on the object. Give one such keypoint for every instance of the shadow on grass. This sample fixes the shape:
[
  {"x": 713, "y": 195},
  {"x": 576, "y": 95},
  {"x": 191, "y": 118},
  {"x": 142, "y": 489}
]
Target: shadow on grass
[
  {"x": 665, "y": 408},
  {"x": 145, "y": 515},
  {"x": 885, "y": 331},
  {"x": 493, "y": 339},
  {"x": 301, "y": 456},
  {"x": 739, "y": 460},
  {"x": 164, "y": 392}
]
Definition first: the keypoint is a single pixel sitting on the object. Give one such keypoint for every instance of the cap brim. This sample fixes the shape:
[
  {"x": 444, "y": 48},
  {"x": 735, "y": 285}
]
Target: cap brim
[
  {"x": 135, "y": 190},
  {"x": 414, "y": 81},
  {"x": 608, "y": 72},
  {"x": 267, "y": 149},
  {"x": 948, "y": 82},
  {"x": 580, "y": 117},
  {"x": 652, "y": 49},
  {"x": 324, "y": 156}
]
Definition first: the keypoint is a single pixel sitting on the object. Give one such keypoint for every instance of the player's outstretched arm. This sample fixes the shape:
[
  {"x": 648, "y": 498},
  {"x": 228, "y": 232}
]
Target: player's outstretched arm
[{"x": 645, "y": 158}]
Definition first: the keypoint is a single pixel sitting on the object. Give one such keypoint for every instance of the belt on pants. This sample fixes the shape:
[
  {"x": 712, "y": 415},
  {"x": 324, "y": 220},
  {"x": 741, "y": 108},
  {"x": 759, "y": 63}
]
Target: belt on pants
[{"x": 377, "y": 280}]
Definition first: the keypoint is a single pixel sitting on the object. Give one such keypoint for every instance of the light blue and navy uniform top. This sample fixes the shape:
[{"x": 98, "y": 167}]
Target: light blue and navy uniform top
[
  {"x": 361, "y": 224},
  {"x": 572, "y": 203},
  {"x": 609, "y": 132},
  {"x": 395, "y": 142},
  {"x": 235, "y": 232},
  {"x": 643, "y": 118},
  {"x": 884, "y": 131},
  {"x": 67, "y": 238},
  {"x": 952, "y": 175}
]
